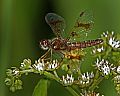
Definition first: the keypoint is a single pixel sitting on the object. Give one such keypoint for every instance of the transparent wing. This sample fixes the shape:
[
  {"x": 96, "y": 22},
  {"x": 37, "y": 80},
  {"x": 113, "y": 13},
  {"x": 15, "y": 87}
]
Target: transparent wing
[
  {"x": 83, "y": 26},
  {"x": 56, "y": 22}
]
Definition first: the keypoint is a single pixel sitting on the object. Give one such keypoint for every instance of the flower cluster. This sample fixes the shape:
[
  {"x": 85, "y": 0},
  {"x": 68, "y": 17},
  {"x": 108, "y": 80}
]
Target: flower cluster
[
  {"x": 113, "y": 43},
  {"x": 117, "y": 79},
  {"x": 54, "y": 64},
  {"x": 68, "y": 80},
  {"x": 98, "y": 49},
  {"x": 42, "y": 65},
  {"x": 118, "y": 69},
  {"x": 13, "y": 72},
  {"x": 111, "y": 39},
  {"x": 117, "y": 83},
  {"x": 104, "y": 66},
  {"x": 91, "y": 94},
  {"x": 26, "y": 64},
  {"x": 48, "y": 65},
  {"x": 85, "y": 79},
  {"x": 13, "y": 80},
  {"x": 39, "y": 65}
]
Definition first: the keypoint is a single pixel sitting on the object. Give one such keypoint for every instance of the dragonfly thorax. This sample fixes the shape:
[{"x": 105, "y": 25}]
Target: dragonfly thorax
[{"x": 59, "y": 44}]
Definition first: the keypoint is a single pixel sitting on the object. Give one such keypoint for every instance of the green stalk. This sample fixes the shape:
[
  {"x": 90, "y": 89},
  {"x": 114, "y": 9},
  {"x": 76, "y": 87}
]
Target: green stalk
[
  {"x": 51, "y": 76},
  {"x": 96, "y": 82}
]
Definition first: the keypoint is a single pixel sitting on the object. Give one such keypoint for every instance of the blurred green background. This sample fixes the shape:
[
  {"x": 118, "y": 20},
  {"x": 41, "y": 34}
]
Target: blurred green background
[{"x": 22, "y": 26}]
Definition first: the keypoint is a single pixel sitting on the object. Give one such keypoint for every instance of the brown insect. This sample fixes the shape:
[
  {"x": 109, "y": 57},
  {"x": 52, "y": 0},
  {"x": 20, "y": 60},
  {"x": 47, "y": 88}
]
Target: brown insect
[{"x": 83, "y": 26}]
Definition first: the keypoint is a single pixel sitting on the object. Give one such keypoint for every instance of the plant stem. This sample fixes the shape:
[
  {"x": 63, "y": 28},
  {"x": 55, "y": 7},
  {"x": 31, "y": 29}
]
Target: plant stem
[
  {"x": 96, "y": 82},
  {"x": 55, "y": 73},
  {"x": 27, "y": 71},
  {"x": 50, "y": 75}
]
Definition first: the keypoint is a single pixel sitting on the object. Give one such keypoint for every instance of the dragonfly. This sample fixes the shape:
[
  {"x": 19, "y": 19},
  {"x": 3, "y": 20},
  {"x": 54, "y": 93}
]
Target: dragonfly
[
  {"x": 72, "y": 45},
  {"x": 83, "y": 26}
]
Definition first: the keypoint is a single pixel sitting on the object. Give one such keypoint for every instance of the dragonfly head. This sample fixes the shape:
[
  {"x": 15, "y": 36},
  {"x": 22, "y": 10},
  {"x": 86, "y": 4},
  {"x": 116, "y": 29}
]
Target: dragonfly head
[{"x": 45, "y": 44}]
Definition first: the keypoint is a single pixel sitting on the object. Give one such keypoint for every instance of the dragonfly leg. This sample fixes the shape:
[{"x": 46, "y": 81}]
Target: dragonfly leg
[
  {"x": 45, "y": 55},
  {"x": 51, "y": 53}
]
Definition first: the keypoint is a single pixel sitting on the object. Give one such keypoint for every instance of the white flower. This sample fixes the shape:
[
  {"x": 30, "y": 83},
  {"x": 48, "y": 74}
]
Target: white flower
[
  {"x": 39, "y": 65},
  {"x": 112, "y": 67},
  {"x": 105, "y": 34},
  {"x": 104, "y": 66},
  {"x": 99, "y": 63},
  {"x": 118, "y": 69},
  {"x": 111, "y": 39},
  {"x": 106, "y": 69},
  {"x": 91, "y": 75},
  {"x": 99, "y": 49},
  {"x": 113, "y": 43},
  {"x": 90, "y": 94},
  {"x": 26, "y": 64},
  {"x": 117, "y": 79},
  {"x": 68, "y": 80},
  {"x": 53, "y": 65},
  {"x": 85, "y": 78},
  {"x": 15, "y": 71}
]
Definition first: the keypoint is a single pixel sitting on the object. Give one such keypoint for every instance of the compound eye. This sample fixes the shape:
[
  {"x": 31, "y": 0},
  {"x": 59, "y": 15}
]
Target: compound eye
[{"x": 44, "y": 44}]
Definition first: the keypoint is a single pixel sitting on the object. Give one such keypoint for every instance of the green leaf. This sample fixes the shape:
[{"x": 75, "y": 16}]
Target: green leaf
[{"x": 41, "y": 88}]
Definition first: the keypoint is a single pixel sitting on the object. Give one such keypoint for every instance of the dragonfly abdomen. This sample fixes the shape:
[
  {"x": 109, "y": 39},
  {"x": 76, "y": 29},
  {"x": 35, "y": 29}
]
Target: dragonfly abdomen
[{"x": 89, "y": 43}]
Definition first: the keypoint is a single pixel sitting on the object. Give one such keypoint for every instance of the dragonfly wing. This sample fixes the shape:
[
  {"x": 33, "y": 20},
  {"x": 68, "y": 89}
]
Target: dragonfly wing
[
  {"x": 56, "y": 22},
  {"x": 83, "y": 26}
]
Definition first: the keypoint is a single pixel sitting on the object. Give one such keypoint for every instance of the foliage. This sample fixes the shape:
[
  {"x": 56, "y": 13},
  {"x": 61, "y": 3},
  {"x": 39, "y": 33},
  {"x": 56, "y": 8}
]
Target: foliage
[
  {"x": 107, "y": 65},
  {"x": 64, "y": 57}
]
